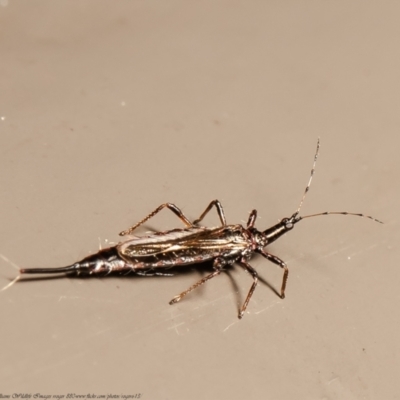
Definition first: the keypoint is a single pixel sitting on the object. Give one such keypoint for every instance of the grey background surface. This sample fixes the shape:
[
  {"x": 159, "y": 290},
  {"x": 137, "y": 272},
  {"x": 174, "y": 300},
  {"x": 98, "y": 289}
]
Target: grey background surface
[{"x": 108, "y": 109}]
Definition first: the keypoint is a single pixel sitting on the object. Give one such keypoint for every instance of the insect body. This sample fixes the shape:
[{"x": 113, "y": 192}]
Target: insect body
[{"x": 225, "y": 245}]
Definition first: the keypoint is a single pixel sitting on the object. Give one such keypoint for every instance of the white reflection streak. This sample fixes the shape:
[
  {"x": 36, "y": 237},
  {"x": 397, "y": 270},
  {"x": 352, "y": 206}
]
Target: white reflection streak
[
  {"x": 267, "y": 308},
  {"x": 175, "y": 327},
  {"x": 233, "y": 323},
  {"x": 13, "y": 265}
]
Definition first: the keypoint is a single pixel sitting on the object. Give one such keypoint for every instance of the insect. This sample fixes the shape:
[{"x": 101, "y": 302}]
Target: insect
[{"x": 224, "y": 245}]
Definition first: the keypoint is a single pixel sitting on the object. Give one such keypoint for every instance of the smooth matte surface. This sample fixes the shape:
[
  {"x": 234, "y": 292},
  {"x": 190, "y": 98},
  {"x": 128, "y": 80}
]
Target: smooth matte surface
[{"x": 108, "y": 109}]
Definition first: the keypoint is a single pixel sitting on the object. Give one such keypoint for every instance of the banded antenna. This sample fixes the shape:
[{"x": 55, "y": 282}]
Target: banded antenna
[{"x": 298, "y": 218}]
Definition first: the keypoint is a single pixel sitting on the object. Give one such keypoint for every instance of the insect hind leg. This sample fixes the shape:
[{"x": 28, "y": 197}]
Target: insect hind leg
[{"x": 176, "y": 210}]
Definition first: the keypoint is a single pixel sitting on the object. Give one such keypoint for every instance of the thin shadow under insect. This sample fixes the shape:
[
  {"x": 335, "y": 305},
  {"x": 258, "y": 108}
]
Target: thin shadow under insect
[{"x": 224, "y": 245}]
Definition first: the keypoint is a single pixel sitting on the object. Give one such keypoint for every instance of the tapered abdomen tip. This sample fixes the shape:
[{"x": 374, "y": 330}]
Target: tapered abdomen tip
[{"x": 61, "y": 270}]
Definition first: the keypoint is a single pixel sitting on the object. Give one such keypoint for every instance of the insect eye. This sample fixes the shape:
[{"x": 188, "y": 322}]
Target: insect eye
[{"x": 288, "y": 223}]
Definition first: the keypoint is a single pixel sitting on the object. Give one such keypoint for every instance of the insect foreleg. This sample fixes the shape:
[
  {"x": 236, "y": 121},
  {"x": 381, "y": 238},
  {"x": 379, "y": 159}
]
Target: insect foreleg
[
  {"x": 252, "y": 219},
  {"x": 254, "y": 274},
  {"x": 218, "y": 265},
  {"x": 170, "y": 206},
  {"x": 282, "y": 264},
  {"x": 220, "y": 212}
]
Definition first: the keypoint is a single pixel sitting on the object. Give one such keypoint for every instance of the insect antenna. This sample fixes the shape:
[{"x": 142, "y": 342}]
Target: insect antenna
[
  {"x": 309, "y": 182},
  {"x": 296, "y": 216},
  {"x": 340, "y": 213}
]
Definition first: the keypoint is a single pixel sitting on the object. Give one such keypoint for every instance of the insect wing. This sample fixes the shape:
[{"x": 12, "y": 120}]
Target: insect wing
[{"x": 194, "y": 242}]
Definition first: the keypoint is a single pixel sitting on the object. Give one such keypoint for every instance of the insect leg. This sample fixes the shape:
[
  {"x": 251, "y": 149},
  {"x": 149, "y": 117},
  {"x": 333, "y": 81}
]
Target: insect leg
[
  {"x": 220, "y": 212},
  {"x": 253, "y": 272},
  {"x": 282, "y": 264},
  {"x": 170, "y": 206},
  {"x": 252, "y": 219},
  {"x": 218, "y": 265}
]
